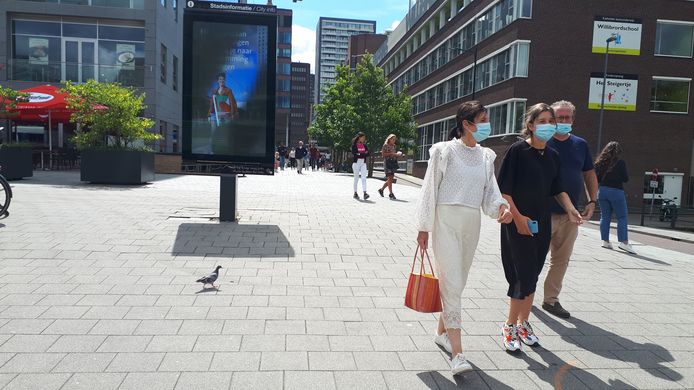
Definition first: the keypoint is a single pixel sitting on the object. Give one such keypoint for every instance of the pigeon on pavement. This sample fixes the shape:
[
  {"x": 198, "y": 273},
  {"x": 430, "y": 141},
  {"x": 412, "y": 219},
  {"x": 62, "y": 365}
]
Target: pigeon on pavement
[{"x": 210, "y": 279}]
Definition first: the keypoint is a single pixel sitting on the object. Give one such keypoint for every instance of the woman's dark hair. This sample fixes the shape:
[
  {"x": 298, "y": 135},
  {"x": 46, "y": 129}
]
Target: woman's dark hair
[
  {"x": 222, "y": 75},
  {"x": 532, "y": 114},
  {"x": 608, "y": 158},
  {"x": 467, "y": 111},
  {"x": 356, "y": 137}
]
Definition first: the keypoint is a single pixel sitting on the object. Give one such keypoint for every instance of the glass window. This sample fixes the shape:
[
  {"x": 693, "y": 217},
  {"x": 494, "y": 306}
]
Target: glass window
[
  {"x": 79, "y": 30},
  {"x": 174, "y": 76},
  {"x": 162, "y": 68},
  {"x": 519, "y": 117},
  {"x": 36, "y": 28},
  {"x": 122, "y": 33},
  {"x": 36, "y": 58},
  {"x": 283, "y": 85},
  {"x": 522, "y": 54},
  {"x": 163, "y": 3},
  {"x": 122, "y": 62},
  {"x": 525, "y": 8},
  {"x": 674, "y": 39},
  {"x": 670, "y": 95}
]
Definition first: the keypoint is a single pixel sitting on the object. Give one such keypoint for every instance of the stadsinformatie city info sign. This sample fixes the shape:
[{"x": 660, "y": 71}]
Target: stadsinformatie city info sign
[
  {"x": 627, "y": 34},
  {"x": 235, "y": 7}
]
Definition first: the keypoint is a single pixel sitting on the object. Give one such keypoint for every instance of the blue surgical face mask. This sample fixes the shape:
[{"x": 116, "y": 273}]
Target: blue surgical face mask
[
  {"x": 563, "y": 128},
  {"x": 484, "y": 130},
  {"x": 545, "y": 131}
]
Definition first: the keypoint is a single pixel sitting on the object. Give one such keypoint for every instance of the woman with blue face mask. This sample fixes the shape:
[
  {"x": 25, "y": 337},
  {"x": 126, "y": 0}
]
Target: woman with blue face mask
[
  {"x": 528, "y": 179},
  {"x": 459, "y": 181}
]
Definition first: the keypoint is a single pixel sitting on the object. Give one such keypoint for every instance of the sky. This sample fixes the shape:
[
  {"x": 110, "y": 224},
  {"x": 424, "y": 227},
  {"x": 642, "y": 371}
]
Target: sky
[{"x": 386, "y": 13}]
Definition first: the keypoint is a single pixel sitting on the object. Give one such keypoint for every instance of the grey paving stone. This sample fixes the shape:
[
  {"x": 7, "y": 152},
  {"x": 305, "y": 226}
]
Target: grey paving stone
[
  {"x": 115, "y": 327},
  {"x": 283, "y": 361},
  {"x": 263, "y": 343},
  {"x": 150, "y": 381},
  {"x": 257, "y": 380},
  {"x": 124, "y": 344},
  {"x": 350, "y": 343},
  {"x": 77, "y": 343},
  {"x": 331, "y": 361},
  {"x": 158, "y": 327},
  {"x": 221, "y": 343},
  {"x": 409, "y": 380},
  {"x": 377, "y": 361},
  {"x": 32, "y": 362},
  {"x": 392, "y": 343},
  {"x": 186, "y": 361},
  {"x": 236, "y": 361},
  {"x": 25, "y": 326},
  {"x": 307, "y": 343},
  {"x": 285, "y": 327},
  {"x": 172, "y": 343},
  {"x": 89, "y": 381},
  {"x": 355, "y": 380},
  {"x": 300, "y": 380},
  {"x": 28, "y": 343},
  {"x": 204, "y": 380},
  {"x": 136, "y": 362},
  {"x": 84, "y": 362},
  {"x": 62, "y": 327},
  {"x": 37, "y": 381}
]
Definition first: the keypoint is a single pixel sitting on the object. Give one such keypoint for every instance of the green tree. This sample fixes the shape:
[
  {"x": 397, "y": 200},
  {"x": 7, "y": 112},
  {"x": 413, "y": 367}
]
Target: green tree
[
  {"x": 361, "y": 100},
  {"x": 109, "y": 114},
  {"x": 8, "y": 104}
]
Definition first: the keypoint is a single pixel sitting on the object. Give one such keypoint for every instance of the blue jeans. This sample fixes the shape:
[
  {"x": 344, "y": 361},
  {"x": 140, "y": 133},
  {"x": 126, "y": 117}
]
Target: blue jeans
[
  {"x": 612, "y": 199},
  {"x": 282, "y": 162}
]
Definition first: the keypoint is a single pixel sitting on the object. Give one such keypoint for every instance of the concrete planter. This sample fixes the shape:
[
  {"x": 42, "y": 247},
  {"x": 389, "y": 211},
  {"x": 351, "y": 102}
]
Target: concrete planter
[
  {"x": 16, "y": 162},
  {"x": 106, "y": 166}
]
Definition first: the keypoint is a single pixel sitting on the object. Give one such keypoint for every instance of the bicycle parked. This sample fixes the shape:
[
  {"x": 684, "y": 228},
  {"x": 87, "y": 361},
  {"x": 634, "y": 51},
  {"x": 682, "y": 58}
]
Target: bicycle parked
[
  {"x": 5, "y": 196},
  {"x": 668, "y": 209}
]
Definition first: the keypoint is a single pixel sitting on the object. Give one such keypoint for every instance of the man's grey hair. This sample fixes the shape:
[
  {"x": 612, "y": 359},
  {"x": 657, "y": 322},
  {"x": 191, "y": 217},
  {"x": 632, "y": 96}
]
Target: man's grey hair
[{"x": 564, "y": 103}]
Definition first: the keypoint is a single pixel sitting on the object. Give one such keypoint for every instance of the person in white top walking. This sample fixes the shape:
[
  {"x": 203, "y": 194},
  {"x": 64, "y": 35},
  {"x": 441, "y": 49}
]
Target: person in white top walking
[{"x": 459, "y": 181}]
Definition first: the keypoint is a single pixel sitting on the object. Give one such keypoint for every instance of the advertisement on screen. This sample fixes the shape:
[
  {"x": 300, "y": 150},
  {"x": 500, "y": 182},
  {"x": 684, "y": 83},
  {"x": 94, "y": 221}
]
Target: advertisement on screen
[{"x": 229, "y": 86}]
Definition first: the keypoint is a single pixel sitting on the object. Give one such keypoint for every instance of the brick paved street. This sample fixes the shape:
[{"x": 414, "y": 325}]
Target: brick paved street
[{"x": 97, "y": 291}]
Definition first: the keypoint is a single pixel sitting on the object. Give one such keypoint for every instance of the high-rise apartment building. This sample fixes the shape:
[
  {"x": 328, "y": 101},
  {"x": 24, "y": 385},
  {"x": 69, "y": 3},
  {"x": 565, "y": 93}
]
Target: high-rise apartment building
[
  {"x": 284, "y": 75},
  {"x": 301, "y": 109},
  {"x": 332, "y": 41},
  {"x": 137, "y": 43},
  {"x": 511, "y": 54}
]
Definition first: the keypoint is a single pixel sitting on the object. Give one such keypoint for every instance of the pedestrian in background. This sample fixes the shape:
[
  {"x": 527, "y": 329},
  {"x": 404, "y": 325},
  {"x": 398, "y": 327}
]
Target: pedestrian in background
[
  {"x": 292, "y": 158},
  {"x": 578, "y": 176},
  {"x": 300, "y": 154},
  {"x": 359, "y": 154},
  {"x": 612, "y": 174},
  {"x": 282, "y": 150},
  {"x": 390, "y": 164},
  {"x": 459, "y": 181},
  {"x": 528, "y": 179},
  {"x": 315, "y": 155}
]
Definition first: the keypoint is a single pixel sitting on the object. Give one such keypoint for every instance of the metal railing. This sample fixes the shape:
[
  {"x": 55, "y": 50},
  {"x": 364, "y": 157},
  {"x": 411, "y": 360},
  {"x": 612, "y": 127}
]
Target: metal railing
[{"x": 54, "y": 72}]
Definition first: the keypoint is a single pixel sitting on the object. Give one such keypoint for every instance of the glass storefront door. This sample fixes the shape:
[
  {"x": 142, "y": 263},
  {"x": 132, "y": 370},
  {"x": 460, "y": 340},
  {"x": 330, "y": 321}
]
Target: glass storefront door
[{"x": 79, "y": 57}]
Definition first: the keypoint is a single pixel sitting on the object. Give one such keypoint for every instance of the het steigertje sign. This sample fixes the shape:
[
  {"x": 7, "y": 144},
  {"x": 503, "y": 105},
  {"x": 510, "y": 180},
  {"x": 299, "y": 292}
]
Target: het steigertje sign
[
  {"x": 620, "y": 91},
  {"x": 627, "y": 31}
]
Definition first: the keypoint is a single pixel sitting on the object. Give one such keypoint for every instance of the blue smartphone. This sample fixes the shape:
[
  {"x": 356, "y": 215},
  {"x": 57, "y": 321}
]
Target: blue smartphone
[{"x": 532, "y": 225}]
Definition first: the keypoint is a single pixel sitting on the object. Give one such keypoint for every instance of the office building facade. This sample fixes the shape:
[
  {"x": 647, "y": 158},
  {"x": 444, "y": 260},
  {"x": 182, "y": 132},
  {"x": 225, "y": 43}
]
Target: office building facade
[
  {"x": 332, "y": 42},
  {"x": 284, "y": 76},
  {"x": 361, "y": 44},
  {"x": 301, "y": 109},
  {"x": 511, "y": 54},
  {"x": 134, "y": 42}
]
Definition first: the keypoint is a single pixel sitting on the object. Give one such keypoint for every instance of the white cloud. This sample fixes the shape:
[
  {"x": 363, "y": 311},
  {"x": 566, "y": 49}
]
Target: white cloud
[
  {"x": 304, "y": 45},
  {"x": 394, "y": 25}
]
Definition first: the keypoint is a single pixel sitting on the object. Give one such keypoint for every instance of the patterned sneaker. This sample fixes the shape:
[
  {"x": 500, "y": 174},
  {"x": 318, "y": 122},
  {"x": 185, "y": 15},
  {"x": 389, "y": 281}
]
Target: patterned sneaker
[
  {"x": 444, "y": 342},
  {"x": 459, "y": 365},
  {"x": 510, "y": 335},
  {"x": 526, "y": 334}
]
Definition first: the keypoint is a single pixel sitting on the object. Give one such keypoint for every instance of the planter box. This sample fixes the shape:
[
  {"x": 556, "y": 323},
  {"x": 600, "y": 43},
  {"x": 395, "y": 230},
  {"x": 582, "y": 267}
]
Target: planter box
[
  {"x": 117, "y": 166},
  {"x": 16, "y": 163}
]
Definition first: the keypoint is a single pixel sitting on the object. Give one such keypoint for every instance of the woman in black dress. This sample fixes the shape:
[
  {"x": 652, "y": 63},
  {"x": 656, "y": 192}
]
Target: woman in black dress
[{"x": 528, "y": 180}]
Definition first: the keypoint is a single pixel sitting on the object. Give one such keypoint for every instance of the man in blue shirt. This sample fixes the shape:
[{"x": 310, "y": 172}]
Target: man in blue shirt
[{"x": 576, "y": 171}]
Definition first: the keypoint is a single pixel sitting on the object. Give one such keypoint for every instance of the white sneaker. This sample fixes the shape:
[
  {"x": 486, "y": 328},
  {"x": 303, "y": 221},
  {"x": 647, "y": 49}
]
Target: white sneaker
[
  {"x": 510, "y": 336},
  {"x": 459, "y": 365},
  {"x": 527, "y": 334},
  {"x": 627, "y": 248},
  {"x": 444, "y": 342},
  {"x": 607, "y": 244}
]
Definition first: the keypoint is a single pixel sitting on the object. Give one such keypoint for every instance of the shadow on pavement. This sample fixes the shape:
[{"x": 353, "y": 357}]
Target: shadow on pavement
[
  {"x": 231, "y": 239},
  {"x": 654, "y": 356},
  {"x": 646, "y": 258}
]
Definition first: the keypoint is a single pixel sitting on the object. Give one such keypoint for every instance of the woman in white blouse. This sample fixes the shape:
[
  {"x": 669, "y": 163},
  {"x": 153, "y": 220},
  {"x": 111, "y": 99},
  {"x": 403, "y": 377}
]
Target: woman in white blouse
[{"x": 459, "y": 181}]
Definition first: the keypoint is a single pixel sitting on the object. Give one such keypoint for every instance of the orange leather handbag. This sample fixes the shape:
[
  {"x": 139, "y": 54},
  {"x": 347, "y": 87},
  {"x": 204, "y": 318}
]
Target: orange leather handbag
[{"x": 423, "y": 289}]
